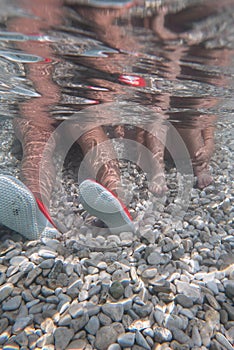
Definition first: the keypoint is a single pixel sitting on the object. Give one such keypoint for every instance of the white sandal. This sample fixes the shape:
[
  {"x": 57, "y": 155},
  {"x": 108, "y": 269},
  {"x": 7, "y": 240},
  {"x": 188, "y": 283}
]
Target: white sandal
[
  {"x": 22, "y": 212},
  {"x": 103, "y": 204}
]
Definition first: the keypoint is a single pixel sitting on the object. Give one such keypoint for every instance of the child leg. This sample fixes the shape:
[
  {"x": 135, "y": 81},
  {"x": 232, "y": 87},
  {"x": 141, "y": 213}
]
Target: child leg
[
  {"x": 37, "y": 169},
  {"x": 194, "y": 141}
]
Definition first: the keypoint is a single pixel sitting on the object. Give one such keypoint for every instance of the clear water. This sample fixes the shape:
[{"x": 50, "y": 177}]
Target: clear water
[{"x": 173, "y": 59}]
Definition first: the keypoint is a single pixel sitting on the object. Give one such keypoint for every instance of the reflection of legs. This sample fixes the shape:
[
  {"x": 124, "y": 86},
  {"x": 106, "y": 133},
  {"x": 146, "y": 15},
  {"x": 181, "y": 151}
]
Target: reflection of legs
[
  {"x": 194, "y": 142},
  {"x": 155, "y": 142},
  {"x": 34, "y": 140}
]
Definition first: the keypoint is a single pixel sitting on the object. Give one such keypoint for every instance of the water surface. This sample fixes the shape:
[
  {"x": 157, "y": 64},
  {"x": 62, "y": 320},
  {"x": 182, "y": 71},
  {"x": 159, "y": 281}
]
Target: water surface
[{"x": 174, "y": 58}]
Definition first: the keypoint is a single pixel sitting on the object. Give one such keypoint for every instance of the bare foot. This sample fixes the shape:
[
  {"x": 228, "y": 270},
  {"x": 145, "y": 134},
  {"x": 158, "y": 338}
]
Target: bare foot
[
  {"x": 204, "y": 177},
  {"x": 204, "y": 154},
  {"x": 201, "y": 170},
  {"x": 157, "y": 185}
]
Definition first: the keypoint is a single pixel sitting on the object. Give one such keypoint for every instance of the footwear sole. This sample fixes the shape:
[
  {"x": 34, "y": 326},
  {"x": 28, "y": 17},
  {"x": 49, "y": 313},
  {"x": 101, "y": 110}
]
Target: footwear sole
[
  {"x": 101, "y": 203},
  {"x": 19, "y": 210}
]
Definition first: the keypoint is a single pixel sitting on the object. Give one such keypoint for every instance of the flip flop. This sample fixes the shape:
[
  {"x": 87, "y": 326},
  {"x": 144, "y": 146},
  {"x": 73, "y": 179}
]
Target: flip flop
[
  {"x": 100, "y": 202},
  {"x": 22, "y": 212}
]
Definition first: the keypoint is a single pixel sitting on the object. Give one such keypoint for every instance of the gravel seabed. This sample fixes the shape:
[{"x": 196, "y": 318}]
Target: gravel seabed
[{"x": 170, "y": 286}]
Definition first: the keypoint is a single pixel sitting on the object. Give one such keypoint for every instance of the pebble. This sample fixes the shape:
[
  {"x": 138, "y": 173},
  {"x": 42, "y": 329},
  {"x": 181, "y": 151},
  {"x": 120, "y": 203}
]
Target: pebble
[
  {"x": 174, "y": 321},
  {"x": 63, "y": 306},
  {"x": 141, "y": 341},
  {"x": 148, "y": 332},
  {"x": 114, "y": 311},
  {"x": 139, "y": 325},
  {"x": 163, "y": 286},
  {"x": 215, "y": 345},
  {"x": 114, "y": 347},
  {"x": 196, "y": 338},
  {"x": 162, "y": 335},
  {"x": 83, "y": 295},
  {"x": 142, "y": 310},
  {"x": 77, "y": 344},
  {"x": 76, "y": 310},
  {"x": 63, "y": 336},
  {"x": 5, "y": 335},
  {"x": 212, "y": 318},
  {"x": 223, "y": 316},
  {"x": 180, "y": 336},
  {"x": 230, "y": 334},
  {"x": 116, "y": 290},
  {"x": 93, "y": 325},
  {"x": 32, "y": 303},
  {"x": 126, "y": 339},
  {"x": 105, "y": 336},
  {"x": 127, "y": 304},
  {"x": 104, "y": 319},
  {"x": 92, "y": 309},
  {"x": 188, "y": 313},
  {"x": 213, "y": 287},
  {"x": 213, "y": 302},
  {"x": 184, "y": 300},
  {"x": 47, "y": 264},
  {"x": 5, "y": 291},
  {"x": 2, "y": 278},
  {"x": 148, "y": 236},
  {"x": 223, "y": 340},
  {"x": 159, "y": 316},
  {"x": 3, "y": 324},
  {"x": 46, "y": 292},
  {"x": 155, "y": 258},
  {"x": 149, "y": 273},
  {"x": 12, "y": 303},
  {"x": 65, "y": 320},
  {"x": 48, "y": 326},
  {"x": 21, "y": 323},
  {"x": 32, "y": 275},
  {"x": 78, "y": 323},
  {"x": 230, "y": 310},
  {"x": 191, "y": 291},
  {"x": 206, "y": 332},
  {"x": 229, "y": 289},
  {"x": 47, "y": 254},
  {"x": 21, "y": 339}
]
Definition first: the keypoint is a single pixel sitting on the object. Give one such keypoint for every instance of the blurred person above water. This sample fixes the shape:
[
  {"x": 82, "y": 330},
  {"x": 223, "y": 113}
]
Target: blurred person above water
[{"x": 115, "y": 64}]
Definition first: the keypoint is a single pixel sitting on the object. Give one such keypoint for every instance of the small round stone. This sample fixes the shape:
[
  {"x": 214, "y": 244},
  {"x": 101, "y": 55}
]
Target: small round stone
[
  {"x": 126, "y": 339},
  {"x": 5, "y": 291},
  {"x": 47, "y": 254},
  {"x": 116, "y": 290},
  {"x": 114, "y": 347},
  {"x": 63, "y": 336},
  {"x": 105, "y": 336},
  {"x": 114, "y": 311},
  {"x": 162, "y": 335},
  {"x": 93, "y": 325},
  {"x": 12, "y": 303}
]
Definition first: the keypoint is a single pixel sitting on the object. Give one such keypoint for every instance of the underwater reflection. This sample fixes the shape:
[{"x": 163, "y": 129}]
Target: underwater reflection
[
  {"x": 156, "y": 85},
  {"x": 153, "y": 59}
]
